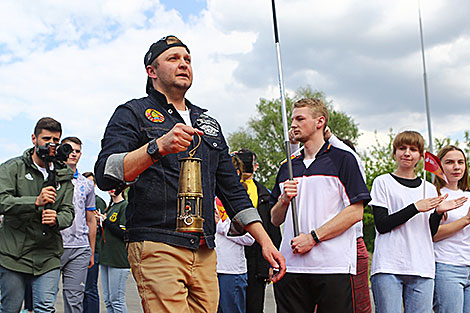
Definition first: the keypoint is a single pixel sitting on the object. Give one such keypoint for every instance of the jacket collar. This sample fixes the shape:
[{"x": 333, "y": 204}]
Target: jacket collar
[
  {"x": 162, "y": 100},
  {"x": 28, "y": 157}
]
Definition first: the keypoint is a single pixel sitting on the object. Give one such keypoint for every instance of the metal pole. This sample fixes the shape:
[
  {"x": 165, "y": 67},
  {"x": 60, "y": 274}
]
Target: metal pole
[
  {"x": 295, "y": 221},
  {"x": 426, "y": 95}
]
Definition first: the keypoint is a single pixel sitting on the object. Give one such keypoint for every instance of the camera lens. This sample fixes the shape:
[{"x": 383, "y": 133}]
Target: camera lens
[{"x": 63, "y": 151}]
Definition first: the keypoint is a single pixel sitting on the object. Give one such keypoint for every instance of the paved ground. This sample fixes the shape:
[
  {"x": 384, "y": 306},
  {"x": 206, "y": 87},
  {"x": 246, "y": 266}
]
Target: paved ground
[{"x": 133, "y": 299}]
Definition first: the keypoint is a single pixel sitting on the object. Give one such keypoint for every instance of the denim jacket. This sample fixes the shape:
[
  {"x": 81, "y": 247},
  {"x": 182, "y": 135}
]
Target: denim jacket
[{"x": 152, "y": 211}]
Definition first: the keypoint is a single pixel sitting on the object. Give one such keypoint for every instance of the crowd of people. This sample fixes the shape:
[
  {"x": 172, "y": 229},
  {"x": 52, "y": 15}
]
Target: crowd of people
[{"x": 53, "y": 225}]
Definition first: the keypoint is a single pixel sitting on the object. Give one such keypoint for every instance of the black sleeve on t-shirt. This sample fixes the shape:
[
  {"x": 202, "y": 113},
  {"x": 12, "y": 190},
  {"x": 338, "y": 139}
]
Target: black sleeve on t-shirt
[
  {"x": 114, "y": 228},
  {"x": 434, "y": 221},
  {"x": 385, "y": 223}
]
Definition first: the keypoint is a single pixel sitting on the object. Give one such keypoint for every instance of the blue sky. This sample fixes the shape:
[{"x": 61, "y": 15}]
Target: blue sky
[
  {"x": 77, "y": 60},
  {"x": 186, "y": 8}
]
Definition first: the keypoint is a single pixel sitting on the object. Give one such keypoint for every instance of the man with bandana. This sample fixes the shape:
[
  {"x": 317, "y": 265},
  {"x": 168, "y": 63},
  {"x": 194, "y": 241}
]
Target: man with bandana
[
  {"x": 145, "y": 138},
  {"x": 34, "y": 214}
]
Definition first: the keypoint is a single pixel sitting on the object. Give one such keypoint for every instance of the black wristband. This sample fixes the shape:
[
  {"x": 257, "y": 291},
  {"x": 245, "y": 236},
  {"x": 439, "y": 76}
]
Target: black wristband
[{"x": 315, "y": 237}]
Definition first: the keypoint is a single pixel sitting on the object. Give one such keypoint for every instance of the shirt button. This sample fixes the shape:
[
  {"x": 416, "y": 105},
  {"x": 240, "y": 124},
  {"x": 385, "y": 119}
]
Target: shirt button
[
  {"x": 170, "y": 111},
  {"x": 192, "y": 241},
  {"x": 214, "y": 144}
]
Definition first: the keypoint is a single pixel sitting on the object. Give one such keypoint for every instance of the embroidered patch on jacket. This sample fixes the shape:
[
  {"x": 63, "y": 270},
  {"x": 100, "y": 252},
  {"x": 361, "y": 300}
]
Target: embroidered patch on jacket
[
  {"x": 113, "y": 217},
  {"x": 154, "y": 116},
  {"x": 208, "y": 125}
]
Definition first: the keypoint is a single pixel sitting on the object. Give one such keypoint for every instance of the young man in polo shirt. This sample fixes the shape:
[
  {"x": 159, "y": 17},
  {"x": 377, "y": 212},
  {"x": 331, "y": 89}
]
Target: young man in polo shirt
[
  {"x": 79, "y": 239},
  {"x": 330, "y": 195}
]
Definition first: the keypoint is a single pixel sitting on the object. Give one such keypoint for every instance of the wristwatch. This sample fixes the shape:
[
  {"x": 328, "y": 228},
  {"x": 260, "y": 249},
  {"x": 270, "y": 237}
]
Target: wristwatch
[{"x": 153, "y": 150}]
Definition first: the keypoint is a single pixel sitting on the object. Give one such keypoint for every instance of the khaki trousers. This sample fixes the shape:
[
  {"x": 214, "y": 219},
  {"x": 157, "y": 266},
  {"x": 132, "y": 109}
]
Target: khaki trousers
[{"x": 174, "y": 279}]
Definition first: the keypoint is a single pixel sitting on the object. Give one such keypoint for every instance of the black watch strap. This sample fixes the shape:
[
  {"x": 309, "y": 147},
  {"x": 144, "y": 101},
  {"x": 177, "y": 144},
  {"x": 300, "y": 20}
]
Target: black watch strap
[
  {"x": 315, "y": 237},
  {"x": 153, "y": 150}
]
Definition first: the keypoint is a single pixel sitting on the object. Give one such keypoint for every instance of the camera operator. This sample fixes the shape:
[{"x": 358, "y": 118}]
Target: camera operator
[{"x": 35, "y": 210}]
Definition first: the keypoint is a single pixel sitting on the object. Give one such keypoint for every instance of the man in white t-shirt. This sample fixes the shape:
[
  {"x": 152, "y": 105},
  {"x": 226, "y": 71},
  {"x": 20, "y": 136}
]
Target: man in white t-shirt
[{"x": 330, "y": 193}]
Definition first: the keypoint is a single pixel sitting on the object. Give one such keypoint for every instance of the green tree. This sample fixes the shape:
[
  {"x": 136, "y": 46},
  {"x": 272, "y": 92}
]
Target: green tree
[
  {"x": 265, "y": 135},
  {"x": 464, "y": 145},
  {"x": 378, "y": 158}
]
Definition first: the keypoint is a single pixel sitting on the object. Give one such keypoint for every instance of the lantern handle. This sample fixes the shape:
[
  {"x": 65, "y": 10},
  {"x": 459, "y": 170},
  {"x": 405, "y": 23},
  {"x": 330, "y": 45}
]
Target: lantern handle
[{"x": 193, "y": 151}]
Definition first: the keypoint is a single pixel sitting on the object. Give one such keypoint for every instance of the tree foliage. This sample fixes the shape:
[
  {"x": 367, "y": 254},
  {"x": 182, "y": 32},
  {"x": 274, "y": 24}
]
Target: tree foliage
[
  {"x": 465, "y": 145},
  {"x": 265, "y": 134},
  {"x": 378, "y": 159}
]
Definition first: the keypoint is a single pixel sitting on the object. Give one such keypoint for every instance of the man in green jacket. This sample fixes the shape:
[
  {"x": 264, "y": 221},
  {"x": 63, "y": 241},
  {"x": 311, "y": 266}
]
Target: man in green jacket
[{"x": 30, "y": 239}]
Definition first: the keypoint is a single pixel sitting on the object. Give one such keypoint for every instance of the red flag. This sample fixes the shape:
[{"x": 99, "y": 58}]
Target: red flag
[{"x": 433, "y": 164}]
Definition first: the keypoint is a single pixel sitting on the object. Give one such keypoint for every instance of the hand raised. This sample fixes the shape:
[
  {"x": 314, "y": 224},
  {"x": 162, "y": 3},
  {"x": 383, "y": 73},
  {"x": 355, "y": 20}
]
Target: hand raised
[
  {"x": 429, "y": 203},
  {"x": 451, "y": 204},
  {"x": 177, "y": 139}
]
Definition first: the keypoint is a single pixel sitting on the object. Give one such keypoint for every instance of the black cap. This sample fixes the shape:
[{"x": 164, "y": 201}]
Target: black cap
[
  {"x": 161, "y": 46},
  {"x": 158, "y": 48}
]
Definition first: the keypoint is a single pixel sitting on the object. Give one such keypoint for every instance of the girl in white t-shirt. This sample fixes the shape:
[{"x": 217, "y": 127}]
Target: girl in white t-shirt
[
  {"x": 452, "y": 240},
  {"x": 403, "y": 261}
]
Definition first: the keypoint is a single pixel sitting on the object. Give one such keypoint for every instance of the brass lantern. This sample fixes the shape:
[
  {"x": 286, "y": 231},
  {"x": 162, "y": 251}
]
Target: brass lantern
[{"x": 190, "y": 194}]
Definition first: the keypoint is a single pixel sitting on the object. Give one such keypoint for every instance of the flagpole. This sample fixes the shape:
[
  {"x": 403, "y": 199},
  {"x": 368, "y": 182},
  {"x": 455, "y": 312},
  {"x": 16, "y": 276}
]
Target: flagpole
[
  {"x": 426, "y": 94},
  {"x": 424, "y": 176},
  {"x": 295, "y": 221}
]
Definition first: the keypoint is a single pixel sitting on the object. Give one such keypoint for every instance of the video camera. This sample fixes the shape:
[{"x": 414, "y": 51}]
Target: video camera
[{"x": 52, "y": 152}]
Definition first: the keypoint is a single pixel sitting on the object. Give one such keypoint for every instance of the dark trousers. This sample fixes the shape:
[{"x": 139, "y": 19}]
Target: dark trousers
[
  {"x": 91, "y": 300},
  {"x": 300, "y": 293},
  {"x": 255, "y": 294},
  {"x": 28, "y": 297}
]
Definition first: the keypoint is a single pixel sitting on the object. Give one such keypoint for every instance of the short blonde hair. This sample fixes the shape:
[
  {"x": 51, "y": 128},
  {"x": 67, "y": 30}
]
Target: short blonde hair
[
  {"x": 317, "y": 107},
  {"x": 409, "y": 137}
]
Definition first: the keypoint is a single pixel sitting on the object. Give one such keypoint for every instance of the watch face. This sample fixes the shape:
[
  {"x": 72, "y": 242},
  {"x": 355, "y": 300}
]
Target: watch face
[{"x": 152, "y": 147}]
